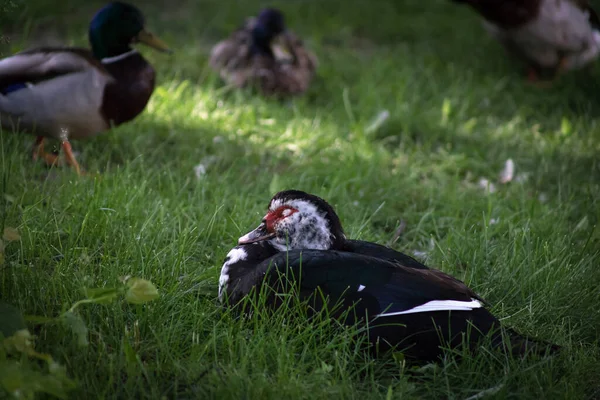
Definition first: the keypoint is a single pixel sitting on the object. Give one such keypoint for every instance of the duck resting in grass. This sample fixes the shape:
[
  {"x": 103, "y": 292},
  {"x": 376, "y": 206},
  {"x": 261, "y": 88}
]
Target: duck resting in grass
[
  {"x": 408, "y": 306},
  {"x": 74, "y": 93},
  {"x": 552, "y": 36},
  {"x": 264, "y": 54}
]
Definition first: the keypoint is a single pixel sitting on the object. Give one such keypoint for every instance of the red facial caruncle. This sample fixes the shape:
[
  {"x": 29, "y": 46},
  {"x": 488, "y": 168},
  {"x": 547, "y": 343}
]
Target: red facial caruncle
[{"x": 273, "y": 217}]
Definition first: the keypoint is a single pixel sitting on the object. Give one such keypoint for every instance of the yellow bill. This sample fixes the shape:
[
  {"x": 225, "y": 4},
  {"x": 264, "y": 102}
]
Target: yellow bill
[
  {"x": 281, "y": 49},
  {"x": 153, "y": 41}
]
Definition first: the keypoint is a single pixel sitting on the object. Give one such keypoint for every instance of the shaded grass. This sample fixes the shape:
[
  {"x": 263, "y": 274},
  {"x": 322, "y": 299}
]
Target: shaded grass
[{"x": 458, "y": 109}]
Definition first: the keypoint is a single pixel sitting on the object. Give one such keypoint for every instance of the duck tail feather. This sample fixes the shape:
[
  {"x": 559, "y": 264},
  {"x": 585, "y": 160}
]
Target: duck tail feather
[{"x": 521, "y": 345}]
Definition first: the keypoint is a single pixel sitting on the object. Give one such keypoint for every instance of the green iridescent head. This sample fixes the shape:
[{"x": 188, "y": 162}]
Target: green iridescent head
[{"x": 117, "y": 26}]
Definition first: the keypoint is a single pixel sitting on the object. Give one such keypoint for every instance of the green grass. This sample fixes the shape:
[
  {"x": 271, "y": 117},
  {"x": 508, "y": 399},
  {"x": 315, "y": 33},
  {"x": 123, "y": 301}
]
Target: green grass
[{"x": 458, "y": 109}]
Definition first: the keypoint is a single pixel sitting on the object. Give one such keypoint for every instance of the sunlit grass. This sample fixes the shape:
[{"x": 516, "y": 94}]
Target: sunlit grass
[{"x": 457, "y": 111}]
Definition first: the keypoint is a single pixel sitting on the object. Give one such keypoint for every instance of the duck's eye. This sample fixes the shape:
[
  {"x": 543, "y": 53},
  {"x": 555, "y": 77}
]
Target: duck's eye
[{"x": 277, "y": 215}]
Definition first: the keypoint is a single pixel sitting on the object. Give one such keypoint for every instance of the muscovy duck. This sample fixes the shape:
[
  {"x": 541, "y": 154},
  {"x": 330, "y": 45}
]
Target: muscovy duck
[
  {"x": 551, "y": 35},
  {"x": 263, "y": 53},
  {"x": 69, "y": 92},
  {"x": 408, "y": 306}
]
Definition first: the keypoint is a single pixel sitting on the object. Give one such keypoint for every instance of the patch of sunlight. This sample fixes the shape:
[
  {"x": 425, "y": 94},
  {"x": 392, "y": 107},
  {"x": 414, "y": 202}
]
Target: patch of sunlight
[
  {"x": 264, "y": 125},
  {"x": 446, "y": 110},
  {"x": 505, "y": 128},
  {"x": 469, "y": 126},
  {"x": 400, "y": 163},
  {"x": 566, "y": 127},
  {"x": 267, "y": 121}
]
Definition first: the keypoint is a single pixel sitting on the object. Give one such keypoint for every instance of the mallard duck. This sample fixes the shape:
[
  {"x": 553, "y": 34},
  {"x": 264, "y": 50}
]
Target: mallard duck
[
  {"x": 552, "y": 36},
  {"x": 74, "y": 93},
  {"x": 402, "y": 304},
  {"x": 263, "y": 53}
]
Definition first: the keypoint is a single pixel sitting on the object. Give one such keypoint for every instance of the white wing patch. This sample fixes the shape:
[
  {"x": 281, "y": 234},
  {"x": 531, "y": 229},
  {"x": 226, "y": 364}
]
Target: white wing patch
[
  {"x": 439, "y": 305},
  {"x": 235, "y": 255},
  {"x": 361, "y": 288}
]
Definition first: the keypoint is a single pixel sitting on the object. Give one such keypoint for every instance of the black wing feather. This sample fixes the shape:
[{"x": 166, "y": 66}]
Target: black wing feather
[
  {"x": 383, "y": 252},
  {"x": 388, "y": 286}
]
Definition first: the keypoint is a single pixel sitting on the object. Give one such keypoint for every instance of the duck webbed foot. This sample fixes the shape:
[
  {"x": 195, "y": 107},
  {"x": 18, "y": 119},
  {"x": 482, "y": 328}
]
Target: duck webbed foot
[
  {"x": 544, "y": 77},
  {"x": 70, "y": 157},
  {"x": 534, "y": 77},
  {"x": 50, "y": 159}
]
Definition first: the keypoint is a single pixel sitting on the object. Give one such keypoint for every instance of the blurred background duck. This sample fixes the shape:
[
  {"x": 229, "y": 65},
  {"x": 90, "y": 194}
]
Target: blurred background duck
[
  {"x": 66, "y": 92},
  {"x": 552, "y": 36},
  {"x": 263, "y": 53}
]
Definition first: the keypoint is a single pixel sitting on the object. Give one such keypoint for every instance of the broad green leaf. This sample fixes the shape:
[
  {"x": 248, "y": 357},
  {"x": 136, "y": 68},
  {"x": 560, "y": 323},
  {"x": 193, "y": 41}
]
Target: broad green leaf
[
  {"x": 19, "y": 380},
  {"x": 130, "y": 355},
  {"x": 131, "y": 358},
  {"x": 325, "y": 368},
  {"x": 76, "y": 324},
  {"x": 9, "y": 198},
  {"x": 39, "y": 319},
  {"x": 565, "y": 127},
  {"x": 11, "y": 234},
  {"x": 102, "y": 295},
  {"x": 11, "y": 320},
  {"x": 446, "y": 110},
  {"x": 13, "y": 378},
  {"x": 399, "y": 357},
  {"x": 390, "y": 393},
  {"x": 21, "y": 341},
  {"x": 140, "y": 291}
]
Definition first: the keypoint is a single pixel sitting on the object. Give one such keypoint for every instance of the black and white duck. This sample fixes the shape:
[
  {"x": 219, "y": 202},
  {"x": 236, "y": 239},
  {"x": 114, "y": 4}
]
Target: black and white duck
[
  {"x": 264, "y": 54},
  {"x": 75, "y": 93},
  {"x": 552, "y": 36},
  {"x": 408, "y": 306}
]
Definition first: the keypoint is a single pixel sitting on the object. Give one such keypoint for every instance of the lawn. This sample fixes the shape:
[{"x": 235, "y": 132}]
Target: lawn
[{"x": 457, "y": 109}]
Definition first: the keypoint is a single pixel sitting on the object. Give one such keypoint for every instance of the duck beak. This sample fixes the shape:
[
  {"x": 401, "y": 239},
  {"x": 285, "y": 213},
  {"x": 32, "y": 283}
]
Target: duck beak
[
  {"x": 280, "y": 47},
  {"x": 153, "y": 41},
  {"x": 257, "y": 235}
]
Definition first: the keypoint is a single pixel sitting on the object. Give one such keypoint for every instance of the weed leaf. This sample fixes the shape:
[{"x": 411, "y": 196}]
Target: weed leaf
[
  {"x": 77, "y": 326},
  {"x": 11, "y": 320},
  {"x": 11, "y": 235},
  {"x": 23, "y": 382},
  {"x": 102, "y": 295},
  {"x": 140, "y": 291}
]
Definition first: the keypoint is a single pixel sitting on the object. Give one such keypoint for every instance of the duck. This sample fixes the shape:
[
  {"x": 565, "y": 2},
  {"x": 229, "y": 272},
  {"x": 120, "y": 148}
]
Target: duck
[
  {"x": 264, "y": 54},
  {"x": 76, "y": 93},
  {"x": 551, "y": 36},
  {"x": 402, "y": 304}
]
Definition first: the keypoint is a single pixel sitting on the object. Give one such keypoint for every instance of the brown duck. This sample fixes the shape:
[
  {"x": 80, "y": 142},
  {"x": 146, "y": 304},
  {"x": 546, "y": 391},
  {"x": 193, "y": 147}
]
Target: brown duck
[
  {"x": 550, "y": 35},
  {"x": 264, "y": 54},
  {"x": 74, "y": 93}
]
